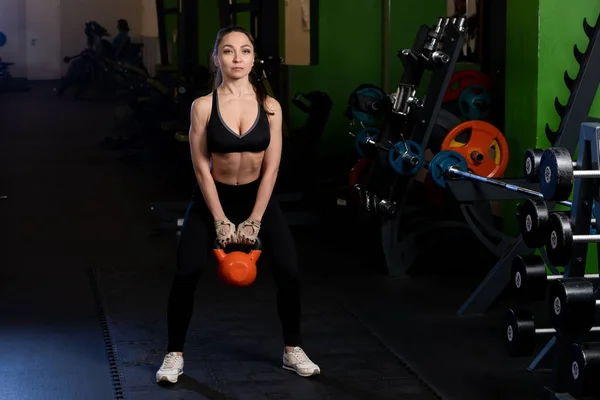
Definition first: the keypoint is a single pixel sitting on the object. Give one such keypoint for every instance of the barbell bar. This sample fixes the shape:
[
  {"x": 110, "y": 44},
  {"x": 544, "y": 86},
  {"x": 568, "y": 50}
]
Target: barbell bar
[
  {"x": 451, "y": 163},
  {"x": 406, "y": 158}
]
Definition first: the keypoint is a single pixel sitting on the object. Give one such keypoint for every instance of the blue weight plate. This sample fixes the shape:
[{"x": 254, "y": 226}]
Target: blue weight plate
[
  {"x": 441, "y": 162},
  {"x": 396, "y": 153},
  {"x": 361, "y": 137},
  {"x": 474, "y": 102}
]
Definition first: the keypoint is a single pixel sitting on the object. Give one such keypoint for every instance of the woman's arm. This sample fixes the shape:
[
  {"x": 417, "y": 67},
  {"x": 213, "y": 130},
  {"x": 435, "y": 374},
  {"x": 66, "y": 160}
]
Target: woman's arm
[
  {"x": 201, "y": 157},
  {"x": 271, "y": 161}
]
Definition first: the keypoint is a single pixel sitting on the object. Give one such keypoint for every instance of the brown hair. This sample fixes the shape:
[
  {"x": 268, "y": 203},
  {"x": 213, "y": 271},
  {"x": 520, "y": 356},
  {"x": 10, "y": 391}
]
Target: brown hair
[{"x": 261, "y": 93}]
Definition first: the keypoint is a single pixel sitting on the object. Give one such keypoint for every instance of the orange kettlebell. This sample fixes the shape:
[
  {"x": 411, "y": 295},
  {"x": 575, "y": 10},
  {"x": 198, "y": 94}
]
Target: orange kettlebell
[{"x": 238, "y": 268}]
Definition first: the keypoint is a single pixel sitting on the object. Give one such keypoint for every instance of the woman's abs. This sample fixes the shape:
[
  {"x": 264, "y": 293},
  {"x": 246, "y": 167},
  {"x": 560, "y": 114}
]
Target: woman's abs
[{"x": 236, "y": 168}]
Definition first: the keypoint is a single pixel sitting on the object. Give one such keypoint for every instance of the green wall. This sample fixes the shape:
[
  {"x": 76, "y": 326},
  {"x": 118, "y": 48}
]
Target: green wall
[
  {"x": 539, "y": 48},
  {"x": 556, "y": 56},
  {"x": 350, "y": 53}
]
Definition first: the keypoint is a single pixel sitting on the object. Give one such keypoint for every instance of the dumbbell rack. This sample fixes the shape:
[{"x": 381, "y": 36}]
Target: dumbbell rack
[
  {"x": 585, "y": 197},
  {"x": 583, "y": 89}
]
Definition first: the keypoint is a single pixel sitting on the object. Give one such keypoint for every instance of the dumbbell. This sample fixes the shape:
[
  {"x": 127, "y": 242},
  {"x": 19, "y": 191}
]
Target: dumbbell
[
  {"x": 534, "y": 222},
  {"x": 560, "y": 239},
  {"x": 572, "y": 305},
  {"x": 530, "y": 278},
  {"x": 531, "y": 166},
  {"x": 581, "y": 367},
  {"x": 520, "y": 332},
  {"x": 557, "y": 174}
]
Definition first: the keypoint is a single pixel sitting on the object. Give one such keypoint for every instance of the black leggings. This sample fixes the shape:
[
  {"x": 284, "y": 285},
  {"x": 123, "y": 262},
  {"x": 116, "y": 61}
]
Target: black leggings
[{"x": 196, "y": 240}]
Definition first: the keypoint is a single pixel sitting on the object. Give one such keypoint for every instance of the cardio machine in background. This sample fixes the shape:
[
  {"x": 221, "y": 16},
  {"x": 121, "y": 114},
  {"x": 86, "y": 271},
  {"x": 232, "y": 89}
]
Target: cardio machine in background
[{"x": 9, "y": 83}]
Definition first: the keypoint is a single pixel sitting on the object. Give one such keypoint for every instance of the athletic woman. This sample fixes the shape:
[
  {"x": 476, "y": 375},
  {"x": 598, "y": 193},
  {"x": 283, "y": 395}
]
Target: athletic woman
[{"x": 239, "y": 128}]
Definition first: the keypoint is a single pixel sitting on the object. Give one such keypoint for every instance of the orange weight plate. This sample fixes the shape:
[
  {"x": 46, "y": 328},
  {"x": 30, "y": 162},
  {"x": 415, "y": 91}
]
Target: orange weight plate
[{"x": 482, "y": 145}]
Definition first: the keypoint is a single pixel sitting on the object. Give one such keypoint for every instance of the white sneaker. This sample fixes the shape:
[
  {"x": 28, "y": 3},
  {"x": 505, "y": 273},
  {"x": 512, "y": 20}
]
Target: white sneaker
[
  {"x": 297, "y": 361},
  {"x": 170, "y": 369}
]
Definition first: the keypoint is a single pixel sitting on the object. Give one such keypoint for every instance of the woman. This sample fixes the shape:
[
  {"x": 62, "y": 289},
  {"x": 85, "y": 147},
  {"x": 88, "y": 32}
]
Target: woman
[{"x": 245, "y": 150}]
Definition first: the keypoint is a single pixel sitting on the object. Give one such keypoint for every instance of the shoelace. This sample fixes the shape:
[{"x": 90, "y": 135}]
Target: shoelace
[
  {"x": 170, "y": 361},
  {"x": 300, "y": 355}
]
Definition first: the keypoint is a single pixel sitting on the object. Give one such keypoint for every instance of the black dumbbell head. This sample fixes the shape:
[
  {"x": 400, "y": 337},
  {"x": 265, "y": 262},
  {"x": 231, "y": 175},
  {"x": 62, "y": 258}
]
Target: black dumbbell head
[
  {"x": 556, "y": 174},
  {"x": 559, "y": 239},
  {"x": 533, "y": 220},
  {"x": 529, "y": 277},
  {"x": 531, "y": 165},
  {"x": 519, "y": 333},
  {"x": 572, "y": 305},
  {"x": 580, "y": 369}
]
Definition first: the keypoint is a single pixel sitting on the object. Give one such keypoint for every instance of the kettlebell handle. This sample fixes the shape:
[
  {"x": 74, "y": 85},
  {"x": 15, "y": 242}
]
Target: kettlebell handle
[{"x": 257, "y": 244}]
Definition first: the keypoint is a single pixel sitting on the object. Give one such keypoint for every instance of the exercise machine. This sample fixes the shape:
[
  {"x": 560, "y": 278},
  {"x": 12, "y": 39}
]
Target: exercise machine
[{"x": 9, "y": 83}]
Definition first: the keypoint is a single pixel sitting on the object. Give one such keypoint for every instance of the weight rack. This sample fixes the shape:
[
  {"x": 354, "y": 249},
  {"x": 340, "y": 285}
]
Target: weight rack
[
  {"x": 586, "y": 197},
  {"x": 583, "y": 89},
  {"x": 435, "y": 49}
]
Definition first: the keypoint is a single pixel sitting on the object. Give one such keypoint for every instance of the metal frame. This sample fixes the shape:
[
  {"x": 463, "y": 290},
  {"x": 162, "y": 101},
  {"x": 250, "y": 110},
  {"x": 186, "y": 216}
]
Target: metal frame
[
  {"x": 187, "y": 39},
  {"x": 264, "y": 26},
  {"x": 493, "y": 33},
  {"x": 416, "y": 126},
  {"x": 580, "y": 101}
]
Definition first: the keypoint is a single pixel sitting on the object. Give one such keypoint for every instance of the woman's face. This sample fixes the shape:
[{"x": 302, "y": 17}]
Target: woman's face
[{"x": 235, "y": 56}]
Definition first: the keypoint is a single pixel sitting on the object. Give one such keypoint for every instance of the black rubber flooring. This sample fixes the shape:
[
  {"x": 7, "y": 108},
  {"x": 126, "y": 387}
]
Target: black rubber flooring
[
  {"x": 73, "y": 208},
  {"x": 235, "y": 344}
]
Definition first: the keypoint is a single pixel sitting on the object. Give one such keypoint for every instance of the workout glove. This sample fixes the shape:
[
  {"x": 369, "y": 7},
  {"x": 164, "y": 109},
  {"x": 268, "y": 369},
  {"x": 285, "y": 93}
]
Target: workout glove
[
  {"x": 226, "y": 233},
  {"x": 247, "y": 231}
]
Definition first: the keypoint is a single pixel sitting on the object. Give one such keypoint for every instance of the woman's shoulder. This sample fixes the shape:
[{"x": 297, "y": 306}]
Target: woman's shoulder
[
  {"x": 272, "y": 104},
  {"x": 202, "y": 104}
]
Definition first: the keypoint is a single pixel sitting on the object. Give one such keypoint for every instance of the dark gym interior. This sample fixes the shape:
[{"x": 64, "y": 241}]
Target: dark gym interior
[{"x": 432, "y": 264}]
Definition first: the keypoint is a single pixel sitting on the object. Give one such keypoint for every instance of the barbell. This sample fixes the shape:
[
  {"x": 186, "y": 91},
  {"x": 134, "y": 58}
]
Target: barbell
[
  {"x": 406, "y": 158},
  {"x": 451, "y": 164}
]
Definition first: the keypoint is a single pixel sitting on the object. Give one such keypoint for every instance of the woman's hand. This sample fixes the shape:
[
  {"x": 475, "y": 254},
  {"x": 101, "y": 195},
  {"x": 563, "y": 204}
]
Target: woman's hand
[
  {"x": 226, "y": 233},
  {"x": 247, "y": 231}
]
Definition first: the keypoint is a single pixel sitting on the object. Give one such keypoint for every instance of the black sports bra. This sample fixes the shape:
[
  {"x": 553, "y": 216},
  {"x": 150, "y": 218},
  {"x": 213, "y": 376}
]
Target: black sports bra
[{"x": 221, "y": 139}]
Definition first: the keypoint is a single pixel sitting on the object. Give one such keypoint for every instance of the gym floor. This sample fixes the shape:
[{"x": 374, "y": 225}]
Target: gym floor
[{"x": 83, "y": 290}]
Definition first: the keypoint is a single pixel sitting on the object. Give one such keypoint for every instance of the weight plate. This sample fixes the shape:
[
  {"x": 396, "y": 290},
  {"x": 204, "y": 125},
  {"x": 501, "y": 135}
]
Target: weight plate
[
  {"x": 533, "y": 219},
  {"x": 360, "y": 140},
  {"x": 475, "y": 102},
  {"x": 462, "y": 79},
  {"x": 531, "y": 165},
  {"x": 445, "y": 122},
  {"x": 440, "y": 163},
  {"x": 366, "y": 91},
  {"x": 482, "y": 145},
  {"x": 405, "y": 157},
  {"x": 556, "y": 174}
]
